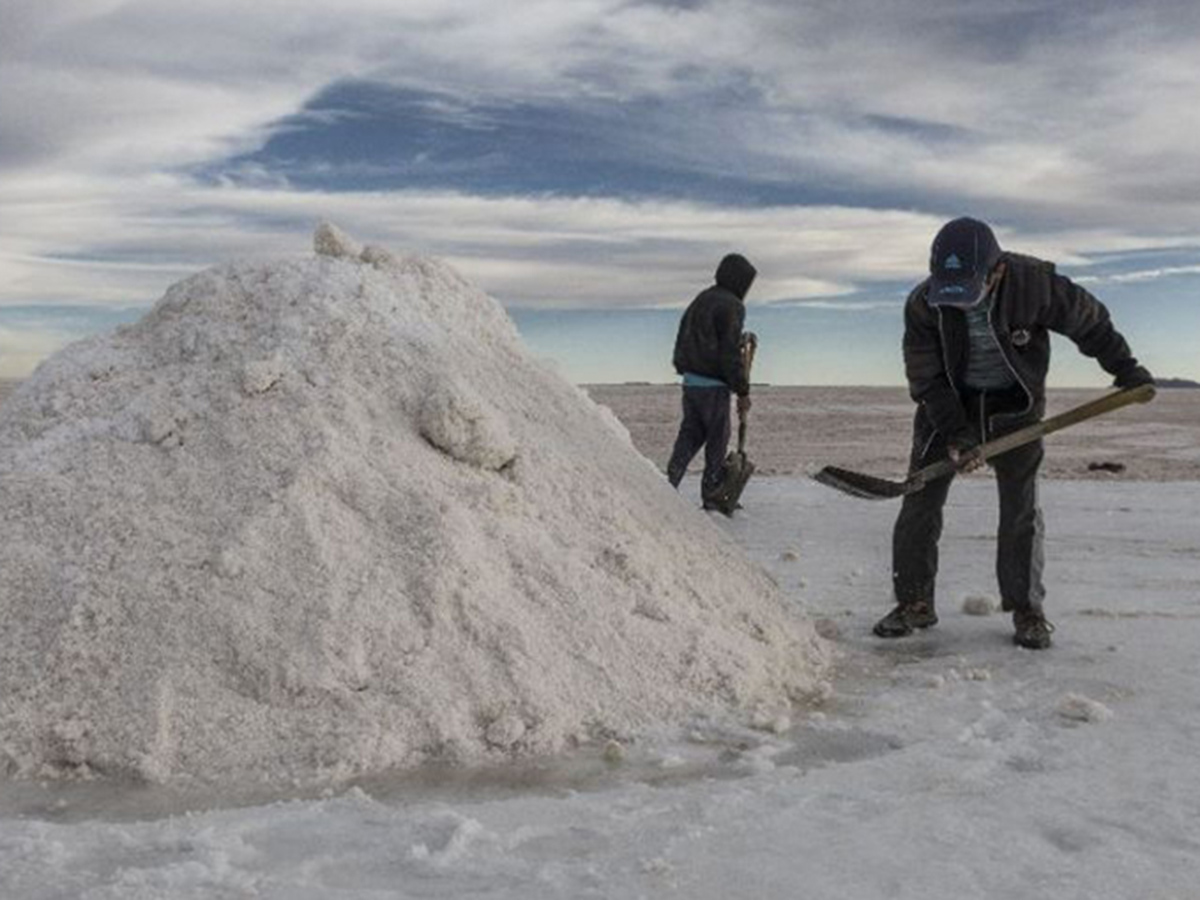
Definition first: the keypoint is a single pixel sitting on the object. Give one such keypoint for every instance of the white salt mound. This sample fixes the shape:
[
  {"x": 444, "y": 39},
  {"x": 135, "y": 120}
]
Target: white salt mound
[{"x": 325, "y": 516}]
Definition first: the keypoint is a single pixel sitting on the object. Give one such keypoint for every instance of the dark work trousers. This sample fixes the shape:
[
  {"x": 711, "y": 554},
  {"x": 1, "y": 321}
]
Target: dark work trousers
[
  {"x": 705, "y": 424},
  {"x": 1019, "y": 551}
]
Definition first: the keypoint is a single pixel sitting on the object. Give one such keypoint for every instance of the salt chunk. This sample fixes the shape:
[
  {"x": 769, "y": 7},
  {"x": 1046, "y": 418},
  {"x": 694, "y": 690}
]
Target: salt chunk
[
  {"x": 1079, "y": 708},
  {"x": 229, "y": 563},
  {"x": 329, "y": 240},
  {"x": 455, "y": 420},
  {"x": 261, "y": 375},
  {"x": 379, "y": 257},
  {"x": 158, "y": 426},
  {"x": 828, "y": 629},
  {"x": 651, "y": 607},
  {"x": 774, "y": 720},
  {"x": 978, "y": 606},
  {"x": 505, "y": 731}
]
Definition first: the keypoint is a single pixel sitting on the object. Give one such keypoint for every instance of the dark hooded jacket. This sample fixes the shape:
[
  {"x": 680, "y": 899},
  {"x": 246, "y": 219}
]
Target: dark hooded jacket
[
  {"x": 1032, "y": 300},
  {"x": 710, "y": 332}
]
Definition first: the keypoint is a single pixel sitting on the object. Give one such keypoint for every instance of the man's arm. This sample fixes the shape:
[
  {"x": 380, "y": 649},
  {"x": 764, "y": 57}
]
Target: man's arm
[
  {"x": 1085, "y": 320},
  {"x": 677, "y": 359},
  {"x": 729, "y": 329},
  {"x": 925, "y": 367}
]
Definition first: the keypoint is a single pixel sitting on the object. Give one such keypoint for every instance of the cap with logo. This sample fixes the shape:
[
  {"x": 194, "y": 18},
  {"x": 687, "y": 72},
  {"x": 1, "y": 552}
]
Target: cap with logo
[{"x": 963, "y": 254}]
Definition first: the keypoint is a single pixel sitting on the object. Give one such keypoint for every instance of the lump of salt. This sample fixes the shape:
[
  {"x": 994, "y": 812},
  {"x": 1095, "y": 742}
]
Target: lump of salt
[
  {"x": 1078, "y": 708},
  {"x": 456, "y": 421},
  {"x": 329, "y": 240},
  {"x": 379, "y": 257},
  {"x": 978, "y": 606},
  {"x": 505, "y": 730}
]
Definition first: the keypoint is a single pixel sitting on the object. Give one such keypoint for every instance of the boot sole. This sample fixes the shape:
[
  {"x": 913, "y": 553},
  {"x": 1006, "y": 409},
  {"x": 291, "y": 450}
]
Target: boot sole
[{"x": 887, "y": 633}]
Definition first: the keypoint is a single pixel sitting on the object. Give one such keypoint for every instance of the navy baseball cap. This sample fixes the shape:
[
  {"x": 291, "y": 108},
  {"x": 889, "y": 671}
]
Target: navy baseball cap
[{"x": 964, "y": 253}]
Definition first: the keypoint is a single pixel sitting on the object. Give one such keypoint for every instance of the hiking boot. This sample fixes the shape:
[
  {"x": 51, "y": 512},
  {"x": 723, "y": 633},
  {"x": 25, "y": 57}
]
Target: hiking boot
[
  {"x": 1032, "y": 629},
  {"x": 905, "y": 617}
]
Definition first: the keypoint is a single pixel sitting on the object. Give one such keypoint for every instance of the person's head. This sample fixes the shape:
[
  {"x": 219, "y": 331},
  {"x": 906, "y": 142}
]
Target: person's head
[
  {"x": 735, "y": 274},
  {"x": 964, "y": 255}
]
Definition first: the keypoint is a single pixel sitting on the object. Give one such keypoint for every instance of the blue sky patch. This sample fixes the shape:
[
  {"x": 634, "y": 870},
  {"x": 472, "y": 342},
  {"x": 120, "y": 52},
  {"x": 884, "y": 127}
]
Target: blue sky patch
[{"x": 358, "y": 136}]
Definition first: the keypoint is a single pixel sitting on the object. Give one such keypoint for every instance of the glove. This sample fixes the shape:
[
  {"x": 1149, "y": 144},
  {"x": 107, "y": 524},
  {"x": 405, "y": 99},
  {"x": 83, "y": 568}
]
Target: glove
[{"x": 1133, "y": 377}]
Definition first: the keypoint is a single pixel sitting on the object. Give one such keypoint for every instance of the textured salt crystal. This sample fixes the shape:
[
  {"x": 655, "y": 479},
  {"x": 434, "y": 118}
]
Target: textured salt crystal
[
  {"x": 978, "y": 606},
  {"x": 1078, "y": 708},
  {"x": 329, "y": 240},
  {"x": 325, "y": 516},
  {"x": 505, "y": 731},
  {"x": 454, "y": 420},
  {"x": 828, "y": 629}
]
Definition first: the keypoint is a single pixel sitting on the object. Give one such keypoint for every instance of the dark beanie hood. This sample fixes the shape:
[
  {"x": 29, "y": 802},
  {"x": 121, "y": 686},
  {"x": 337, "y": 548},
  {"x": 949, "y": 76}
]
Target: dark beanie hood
[{"x": 736, "y": 274}]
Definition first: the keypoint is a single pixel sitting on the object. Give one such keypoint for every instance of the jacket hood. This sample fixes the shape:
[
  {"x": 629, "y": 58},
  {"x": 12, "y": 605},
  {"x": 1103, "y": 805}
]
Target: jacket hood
[{"x": 735, "y": 274}]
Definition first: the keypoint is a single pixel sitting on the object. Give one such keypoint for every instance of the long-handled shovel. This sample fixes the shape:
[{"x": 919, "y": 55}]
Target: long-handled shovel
[
  {"x": 738, "y": 467},
  {"x": 871, "y": 488}
]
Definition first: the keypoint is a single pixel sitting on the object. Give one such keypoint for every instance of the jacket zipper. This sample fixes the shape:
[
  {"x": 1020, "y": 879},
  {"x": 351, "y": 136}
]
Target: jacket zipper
[
  {"x": 1011, "y": 368},
  {"x": 949, "y": 376},
  {"x": 929, "y": 443},
  {"x": 946, "y": 355},
  {"x": 949, "y": 379}
]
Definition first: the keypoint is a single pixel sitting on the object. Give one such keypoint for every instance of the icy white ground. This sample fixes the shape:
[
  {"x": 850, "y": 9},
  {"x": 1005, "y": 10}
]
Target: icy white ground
[{"x": 950, "y": 765}]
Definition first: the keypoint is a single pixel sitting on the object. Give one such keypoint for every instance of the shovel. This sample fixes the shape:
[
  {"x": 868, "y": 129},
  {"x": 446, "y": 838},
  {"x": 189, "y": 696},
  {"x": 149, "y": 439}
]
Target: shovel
[
  {"x": 738, "y": 467},
  {"x": 869, "y": 487}
]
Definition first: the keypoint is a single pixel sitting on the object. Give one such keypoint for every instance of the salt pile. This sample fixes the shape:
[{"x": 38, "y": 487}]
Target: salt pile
[{"x": 325, "y": 516}]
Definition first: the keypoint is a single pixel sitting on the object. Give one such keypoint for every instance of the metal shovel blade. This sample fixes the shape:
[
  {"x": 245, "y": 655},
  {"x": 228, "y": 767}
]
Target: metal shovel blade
[
  {"x": 738, "y": 469},
  {"x": 856, "y": 484}
]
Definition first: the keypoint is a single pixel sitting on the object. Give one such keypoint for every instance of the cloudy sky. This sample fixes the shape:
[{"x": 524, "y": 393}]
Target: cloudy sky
[{"x": 588, "y": 161}]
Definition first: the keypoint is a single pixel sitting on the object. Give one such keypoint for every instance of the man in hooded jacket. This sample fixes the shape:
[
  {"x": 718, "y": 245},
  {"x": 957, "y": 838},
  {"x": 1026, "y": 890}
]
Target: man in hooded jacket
[
  {"x": 976, "y": 354},
  {"x": 708, "y": 357}
]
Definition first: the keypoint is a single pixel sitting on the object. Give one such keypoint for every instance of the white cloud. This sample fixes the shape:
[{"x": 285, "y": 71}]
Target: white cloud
[
  {"x": 1056, "y": 119},
  {"x": 125, "y": 245},
  {"x": 1141, "y": 275},
  {"x": 1069, "y": 128}
]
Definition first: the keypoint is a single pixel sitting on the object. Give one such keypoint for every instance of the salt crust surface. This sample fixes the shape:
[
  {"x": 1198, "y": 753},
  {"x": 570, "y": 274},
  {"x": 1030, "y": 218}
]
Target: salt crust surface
[{"x": 325, "y": 516}]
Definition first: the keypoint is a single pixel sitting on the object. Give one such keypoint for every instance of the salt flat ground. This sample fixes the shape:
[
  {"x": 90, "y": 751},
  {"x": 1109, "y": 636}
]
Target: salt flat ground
[
  {"x": 947, "y": 765},
  {"x": 800, "y": 429},
  {"x": 797, "y": 430}
]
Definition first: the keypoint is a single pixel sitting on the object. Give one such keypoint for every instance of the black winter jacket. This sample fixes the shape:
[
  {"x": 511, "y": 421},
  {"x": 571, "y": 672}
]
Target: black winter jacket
[
  {"x": 709, "y": 338},
  {"x": 1032, "y": 300},
  {"x": 710, "y": 332}
]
